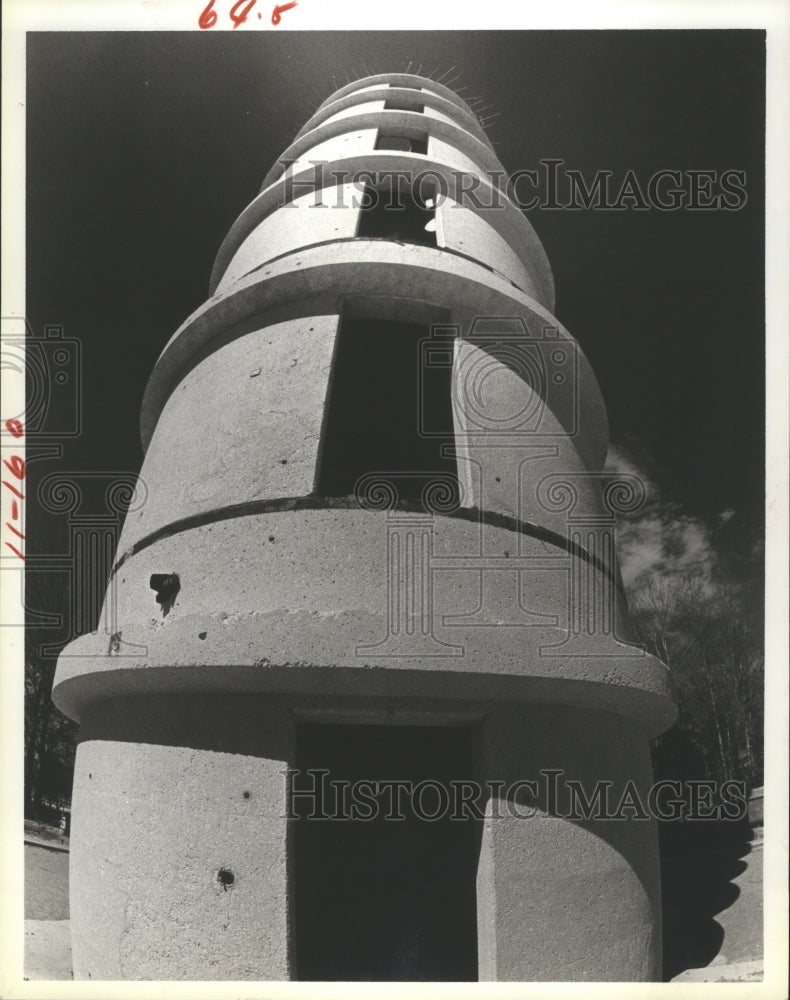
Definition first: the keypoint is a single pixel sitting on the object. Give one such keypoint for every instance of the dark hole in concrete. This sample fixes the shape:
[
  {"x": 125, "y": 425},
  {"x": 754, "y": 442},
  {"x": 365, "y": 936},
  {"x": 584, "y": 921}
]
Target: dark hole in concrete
[
  {"x": 271, "y": 538},
  {"x": 377, "y": 899},
  {"x": 246, "y": 795},
  {"x": 202, "y": 635},
  {"x": 226, "y": 878},
  {"x": 167, "y": 586}
]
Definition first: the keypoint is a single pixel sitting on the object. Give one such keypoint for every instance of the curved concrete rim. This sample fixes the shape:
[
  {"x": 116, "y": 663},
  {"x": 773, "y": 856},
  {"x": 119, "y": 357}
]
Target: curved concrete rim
[
  {"x": 435, "y": 101},
  {"x": 402, "y": 80},
  {"x": 402, "y": 121},
  {"x": 511, "y": 223},
  {"x": 88, "y": 675},
  {"x": 333, "y": 271}
]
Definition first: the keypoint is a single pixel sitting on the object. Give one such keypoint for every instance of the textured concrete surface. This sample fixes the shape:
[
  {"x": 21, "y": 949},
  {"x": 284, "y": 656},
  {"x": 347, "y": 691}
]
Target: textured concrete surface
[
  {"x": 326, "y": 214},
  {"x": 243, "y": 602},
  {"x": 558, "y": 899},
  {"x": 362, "y": 108},
  {"x": 360, "y": 141},
  {"x": 429, "y": 100},
  {"x": 273, "y": 384},
  {"x": 307, "y": 220},
  {"x": 179, "y": 851},
  {"x": 444, "y": 149},
  {"x": 311, "y": 281},
  {"x": 397, "y": 80},
  {"x": 478, "y": 156},
  {"x": 47, "y": 940},
  {"x": 492, "y": 401},
  {"x": 463, "y": 230},
  {"x": 353, "y": 155},
  {"x": 306, "y": 590}
]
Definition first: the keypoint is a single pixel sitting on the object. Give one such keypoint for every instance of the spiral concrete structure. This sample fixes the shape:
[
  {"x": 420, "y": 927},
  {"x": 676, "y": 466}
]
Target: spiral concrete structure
[{"x": 372, "y": 493}]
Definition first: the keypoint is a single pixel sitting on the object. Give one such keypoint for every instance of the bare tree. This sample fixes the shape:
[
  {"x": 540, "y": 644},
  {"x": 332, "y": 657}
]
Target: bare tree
[
  {"x": 710, "y": 637},
  {"x": 50, "y": 738}
]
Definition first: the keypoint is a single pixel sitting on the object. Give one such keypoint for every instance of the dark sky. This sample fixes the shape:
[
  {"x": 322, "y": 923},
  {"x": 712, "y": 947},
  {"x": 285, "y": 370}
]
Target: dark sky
[{"x": 143, "y": 148}]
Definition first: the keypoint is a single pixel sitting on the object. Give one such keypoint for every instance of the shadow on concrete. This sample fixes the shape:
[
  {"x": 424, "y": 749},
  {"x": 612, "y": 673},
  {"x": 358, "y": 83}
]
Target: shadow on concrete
[{"x": 699, "y": 861}]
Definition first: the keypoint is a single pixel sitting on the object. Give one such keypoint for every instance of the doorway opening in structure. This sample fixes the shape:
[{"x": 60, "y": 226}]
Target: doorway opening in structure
[
  {"x": 403, "y": 104},
  {"x": 389, "y": 414},
  {"x": 398, "y": 214},
  {"x": 384, "y": 898},
  {"x": 403, "y": 143}
]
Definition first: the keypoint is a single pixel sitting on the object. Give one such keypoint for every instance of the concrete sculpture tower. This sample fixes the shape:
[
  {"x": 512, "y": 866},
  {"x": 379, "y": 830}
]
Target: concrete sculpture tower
[{"x": 376, "y": 541}]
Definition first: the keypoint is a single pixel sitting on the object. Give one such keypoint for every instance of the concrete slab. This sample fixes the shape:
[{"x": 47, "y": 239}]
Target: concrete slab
[{"x": 47, "y": 950}]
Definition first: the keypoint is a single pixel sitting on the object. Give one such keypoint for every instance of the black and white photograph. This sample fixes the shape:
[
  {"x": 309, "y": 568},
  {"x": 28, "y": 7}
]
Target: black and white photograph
[{"x": 394, "y": 495}]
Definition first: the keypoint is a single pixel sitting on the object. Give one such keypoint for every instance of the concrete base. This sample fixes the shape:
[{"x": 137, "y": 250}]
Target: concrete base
[
  {"x": 47, "y": 950},
  {"x": 181, "y": 864},
  {"x": 178, "y": 849},
  {"x": 563, "y": 899}
]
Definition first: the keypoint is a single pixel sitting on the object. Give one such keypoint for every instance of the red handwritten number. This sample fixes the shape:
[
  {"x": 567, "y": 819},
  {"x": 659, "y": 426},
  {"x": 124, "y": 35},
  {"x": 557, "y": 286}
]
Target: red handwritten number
[
  {"x": 209, "y": 17},
  {"x": 13, "y": 489},
  {"x": 242, "y": 17},
  {"x": 16, "y": 466},
  {"x": 279, "y": 9}
]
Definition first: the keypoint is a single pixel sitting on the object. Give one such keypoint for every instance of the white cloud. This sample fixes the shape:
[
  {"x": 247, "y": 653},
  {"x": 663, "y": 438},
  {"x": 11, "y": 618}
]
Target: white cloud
[{"x": 659, "y": 542}]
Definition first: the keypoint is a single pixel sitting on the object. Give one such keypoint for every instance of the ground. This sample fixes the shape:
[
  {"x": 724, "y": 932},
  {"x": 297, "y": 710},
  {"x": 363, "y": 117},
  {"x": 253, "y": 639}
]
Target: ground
[
  {"x": 48, "y": 946},
  {"x": 743, "y": 921},
  {"x": 46, "y": 883},
  {"x": 47, "y": 941}
]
